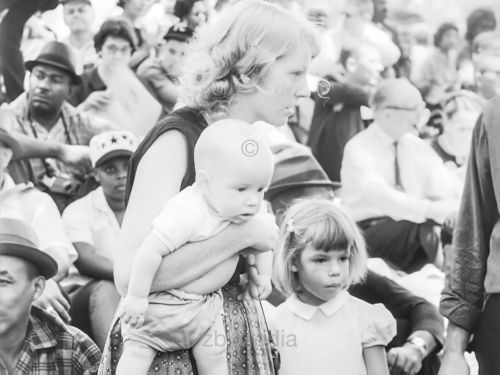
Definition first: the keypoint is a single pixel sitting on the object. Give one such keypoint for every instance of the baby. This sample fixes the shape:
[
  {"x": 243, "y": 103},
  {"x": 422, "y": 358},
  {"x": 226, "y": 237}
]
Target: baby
[{"x": 233, "y": 170}]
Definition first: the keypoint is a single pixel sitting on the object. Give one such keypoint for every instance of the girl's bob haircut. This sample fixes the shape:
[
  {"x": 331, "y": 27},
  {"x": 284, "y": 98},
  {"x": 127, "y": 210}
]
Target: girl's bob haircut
[
  {"x": 233, "y": 55},
  {"x": 325, "y": 226}
]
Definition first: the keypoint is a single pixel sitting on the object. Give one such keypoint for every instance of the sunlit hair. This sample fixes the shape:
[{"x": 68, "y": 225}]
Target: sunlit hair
[
  {"x": 325, "y": 226},
  {"x": 233, "y": 55}
]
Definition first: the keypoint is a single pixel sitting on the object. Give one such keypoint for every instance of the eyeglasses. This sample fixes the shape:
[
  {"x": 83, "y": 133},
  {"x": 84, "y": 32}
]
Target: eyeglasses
[{"x": 114, "y": 49}]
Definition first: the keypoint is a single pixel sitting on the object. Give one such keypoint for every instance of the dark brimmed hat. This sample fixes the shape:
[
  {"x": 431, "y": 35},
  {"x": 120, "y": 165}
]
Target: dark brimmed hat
[
  {"x": 18, "y": 239},
  {"x": 179, "y": 32},
  {"x": 296, "y": 166},
  {"x": 58, "y": 55},
  {"x": 64, "y": 2}
]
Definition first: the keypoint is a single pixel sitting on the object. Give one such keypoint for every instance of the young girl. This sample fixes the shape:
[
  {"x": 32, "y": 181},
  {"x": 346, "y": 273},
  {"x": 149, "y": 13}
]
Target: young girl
[{"x": 320, "y": 328}]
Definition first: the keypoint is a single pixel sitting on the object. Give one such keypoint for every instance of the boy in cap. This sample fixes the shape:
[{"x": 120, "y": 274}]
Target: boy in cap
[
  {"x": 161, "y": 73},
  {"x": 93, "y": 224},
  {"x": 35, "y": 208},
  {"x": 33, "y": 341},
  {"x": 298, "y": 175},
  {"x": 233, "y": 169}
]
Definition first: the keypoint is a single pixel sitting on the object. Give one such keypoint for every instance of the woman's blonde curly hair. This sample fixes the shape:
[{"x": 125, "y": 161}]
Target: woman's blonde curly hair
[{"x": 233, "y": 55}]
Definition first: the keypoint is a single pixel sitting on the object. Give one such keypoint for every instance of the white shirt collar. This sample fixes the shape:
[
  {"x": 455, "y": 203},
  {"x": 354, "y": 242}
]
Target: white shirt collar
[
  {"x": 381, "y": 135},
  {"x": 307, "y": 312}
]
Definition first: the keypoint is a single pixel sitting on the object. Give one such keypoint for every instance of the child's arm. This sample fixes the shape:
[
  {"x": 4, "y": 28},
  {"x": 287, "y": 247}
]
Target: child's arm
[
  {"x": 375, "y": 360},
  {"x": 146, "y": 263}
]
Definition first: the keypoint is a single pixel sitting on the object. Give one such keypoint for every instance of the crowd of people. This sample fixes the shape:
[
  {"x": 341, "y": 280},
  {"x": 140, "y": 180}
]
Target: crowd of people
[{"x": 248, "y": 187}]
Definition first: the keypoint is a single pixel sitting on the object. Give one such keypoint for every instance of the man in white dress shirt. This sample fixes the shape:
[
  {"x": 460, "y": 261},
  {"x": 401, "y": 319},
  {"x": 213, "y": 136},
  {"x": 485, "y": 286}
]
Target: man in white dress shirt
[{"x": 394, "y": 184}]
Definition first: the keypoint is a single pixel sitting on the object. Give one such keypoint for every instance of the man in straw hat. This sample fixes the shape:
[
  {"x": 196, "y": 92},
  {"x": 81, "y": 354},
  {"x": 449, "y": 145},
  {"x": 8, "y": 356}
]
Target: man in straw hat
[{"x": 33, "y": 341}]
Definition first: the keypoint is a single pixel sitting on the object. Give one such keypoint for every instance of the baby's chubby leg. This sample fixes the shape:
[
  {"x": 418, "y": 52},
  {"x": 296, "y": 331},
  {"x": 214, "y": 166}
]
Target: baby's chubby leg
[
  {"x": 136, "y": 358},
  {"x": 211, "y": 351}
]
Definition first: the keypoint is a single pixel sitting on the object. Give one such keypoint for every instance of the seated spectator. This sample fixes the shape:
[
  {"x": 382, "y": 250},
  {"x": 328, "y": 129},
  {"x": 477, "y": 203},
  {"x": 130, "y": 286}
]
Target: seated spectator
[
  {"x": 458, "y": 114},
  {"x": 420, "y": 327},
  {"x": 162, "y": 73},
  {"x": 395, "y": 185},
  {"x": 487, "y": 65},
  {"x": 78, "y": 17},
  {"x": 11, "y": 33},
  {"x": 133, "y": 12},
  {"x": 479, "y": 20},
  {"x": 193, "y": 13},
  {"x": 114, "y": 42},
  {"x": 31, "y": 339},
  {"x": 439, "y": 72},
  {"x": 93, "y": 224},
  {"x": 337, "y": 114},
  {"x": 44, "y": 114},
  {"x": 354, "y": 28}
]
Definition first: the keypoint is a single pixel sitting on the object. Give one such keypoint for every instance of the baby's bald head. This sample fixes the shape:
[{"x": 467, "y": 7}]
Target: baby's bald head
[{"x": 231, "y": 143}]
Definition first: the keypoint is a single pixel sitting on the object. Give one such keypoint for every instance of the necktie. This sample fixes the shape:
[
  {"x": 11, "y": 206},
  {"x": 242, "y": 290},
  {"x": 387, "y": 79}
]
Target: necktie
[{"x": 397, "y": 175}]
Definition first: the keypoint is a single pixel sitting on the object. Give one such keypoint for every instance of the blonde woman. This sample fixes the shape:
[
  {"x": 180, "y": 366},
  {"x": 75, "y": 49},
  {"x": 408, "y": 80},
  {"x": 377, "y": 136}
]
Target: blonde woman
[{"x": 251, "y": 65}]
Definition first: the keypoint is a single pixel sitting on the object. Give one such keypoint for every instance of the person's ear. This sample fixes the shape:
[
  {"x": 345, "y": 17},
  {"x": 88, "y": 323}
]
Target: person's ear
[
  {"x": 278, "y": 214},
  {"x": 5, "y": 156},
  {"x": 351, "y": 64},
  {"x": 39, "y": 287}
]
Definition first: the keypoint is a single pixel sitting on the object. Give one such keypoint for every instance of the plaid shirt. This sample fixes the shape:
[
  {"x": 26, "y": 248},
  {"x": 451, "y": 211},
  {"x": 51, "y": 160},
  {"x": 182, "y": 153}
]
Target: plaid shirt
[{"x": 51, "y": 347}]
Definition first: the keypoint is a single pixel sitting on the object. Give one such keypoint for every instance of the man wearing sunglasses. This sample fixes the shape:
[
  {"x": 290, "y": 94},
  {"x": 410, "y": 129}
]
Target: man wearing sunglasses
[{"x": 394, "y": 184}]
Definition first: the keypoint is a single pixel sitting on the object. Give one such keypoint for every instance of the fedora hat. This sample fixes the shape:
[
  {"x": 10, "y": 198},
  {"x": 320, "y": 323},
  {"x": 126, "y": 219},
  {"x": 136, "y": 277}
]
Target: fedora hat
[
  {"x": 58, "y": 55},
  {"x": 294, "y": 166},
  {"x": 18, "y": 239}
]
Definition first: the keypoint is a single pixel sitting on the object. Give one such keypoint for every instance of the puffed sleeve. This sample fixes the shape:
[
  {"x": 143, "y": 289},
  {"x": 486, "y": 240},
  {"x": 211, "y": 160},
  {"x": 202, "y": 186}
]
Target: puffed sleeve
[{"x": 380, "y": 327}]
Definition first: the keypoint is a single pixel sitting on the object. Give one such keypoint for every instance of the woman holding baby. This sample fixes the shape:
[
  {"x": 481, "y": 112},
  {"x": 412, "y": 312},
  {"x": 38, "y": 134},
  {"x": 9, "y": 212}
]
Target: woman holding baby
[{"x": 251, "y": 65}]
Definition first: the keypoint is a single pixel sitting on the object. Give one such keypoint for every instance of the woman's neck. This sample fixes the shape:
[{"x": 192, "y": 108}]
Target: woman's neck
[{"x": 240, "y": 111}]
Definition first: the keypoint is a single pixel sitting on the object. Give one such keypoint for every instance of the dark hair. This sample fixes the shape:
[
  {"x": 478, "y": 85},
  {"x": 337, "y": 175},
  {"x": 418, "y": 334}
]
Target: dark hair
[
  {"x": 476, "y": 17},
  {"x": 183, "y": 7},
  {"x": 121, "y": 3},
  {"x": 443, "y": 29},
  {"x": 118, "y": 28}
]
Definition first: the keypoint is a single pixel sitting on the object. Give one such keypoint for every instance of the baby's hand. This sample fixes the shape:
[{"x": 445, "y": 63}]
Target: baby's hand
[{"x": 134, "y": 310}]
